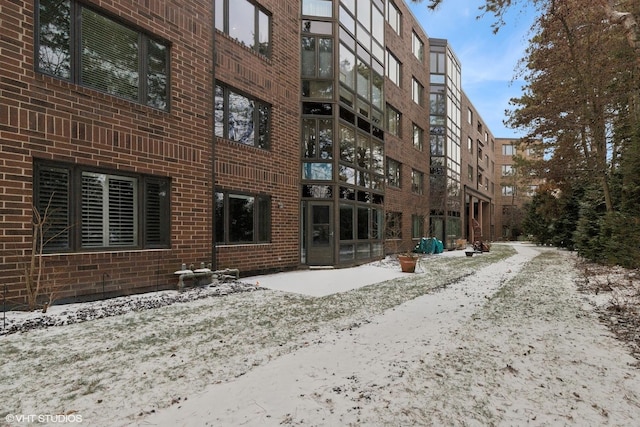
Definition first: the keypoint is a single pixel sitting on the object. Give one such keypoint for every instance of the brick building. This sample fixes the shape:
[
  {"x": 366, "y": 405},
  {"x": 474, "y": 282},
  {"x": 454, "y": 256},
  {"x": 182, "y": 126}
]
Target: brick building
[{"x": 259, "y": 135}]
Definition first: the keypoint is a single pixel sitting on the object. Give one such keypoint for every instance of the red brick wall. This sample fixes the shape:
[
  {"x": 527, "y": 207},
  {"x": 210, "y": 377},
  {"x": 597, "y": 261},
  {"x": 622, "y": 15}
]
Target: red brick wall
[
  {"x": 400, "y": 148},
  {"x": 275, "y": 171},
  {"x": 47, "y": 118}
]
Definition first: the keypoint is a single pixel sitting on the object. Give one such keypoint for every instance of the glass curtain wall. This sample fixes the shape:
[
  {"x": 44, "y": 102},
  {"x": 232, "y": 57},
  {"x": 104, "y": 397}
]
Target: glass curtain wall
[
  {"x": 444, "y": 136},
  {"x": 342, "y": 136}
]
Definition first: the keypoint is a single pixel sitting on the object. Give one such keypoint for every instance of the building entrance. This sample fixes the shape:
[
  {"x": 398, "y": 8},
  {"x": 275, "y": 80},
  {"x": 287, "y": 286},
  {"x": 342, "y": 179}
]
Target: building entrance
[{"x": 320, "y": 233}]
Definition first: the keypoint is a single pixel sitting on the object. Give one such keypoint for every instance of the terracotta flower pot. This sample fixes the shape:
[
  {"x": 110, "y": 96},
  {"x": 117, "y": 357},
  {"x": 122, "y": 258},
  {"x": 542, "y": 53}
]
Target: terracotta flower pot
[{"x": 407, "y": 263}]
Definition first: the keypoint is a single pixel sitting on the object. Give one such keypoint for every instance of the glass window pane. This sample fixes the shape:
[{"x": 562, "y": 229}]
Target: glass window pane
[
  {"x": 53, "y": 202},
  {"x": 363, "y": 223},
  {"x": 54, "y": 54},
  {"x": 378, "y": 26},
  {"x": 308, "y": 56},
  {"x": 122, "y": 212},
  {"x": 317, "y": 8},
  {"x": 264, "y": 117},
  {"x": 157, "y": 75},
  {"x": 325, "y": 139},
  {"x": 347, "y": 175},
  {"x": 317, "y": 171},
  {"x": 240, "y": 218},
  {"x": 309, "y": 138},
  {"x": 219, "y": 11},
  {"x": 242, "y": 21},
  {"x": 219, "y": 112},
  {"x": 157, "y": 213},
  {"x": 109, "y": 56},
  {"x": 347, "y": 66},
  {"x": 93, "y": 215},
  {"x": 317, "y": 89},
  {"x": 264, "y": 219},
  {"x": 364, "y": 86},
  {"x": 263, "y": 33},
  {"x": 325, "y": 58},
  {"x": 364, "y": 13},
  {"x": 363, "y": 152},
  {"x": 240, "y": 124},
  {"x": 347, "y": 144},
  {"x": 219, "y": 217},
  {"x": 346, "y": 222}
]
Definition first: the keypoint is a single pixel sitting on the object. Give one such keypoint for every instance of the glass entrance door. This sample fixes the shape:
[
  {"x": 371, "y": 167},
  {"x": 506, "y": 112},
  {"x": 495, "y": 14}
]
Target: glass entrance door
[{"x": 320, "y": 233}]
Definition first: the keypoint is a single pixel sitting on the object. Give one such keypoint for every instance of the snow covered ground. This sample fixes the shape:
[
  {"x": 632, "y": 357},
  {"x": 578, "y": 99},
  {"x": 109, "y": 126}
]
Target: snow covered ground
[{"x": 501, "y": 338}]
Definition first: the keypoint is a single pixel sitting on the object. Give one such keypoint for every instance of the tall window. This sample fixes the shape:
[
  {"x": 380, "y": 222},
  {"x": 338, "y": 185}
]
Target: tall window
[
  {"x": 242, "y": 218},
  {"x": 393, "y": 120},
  {"x": 245, "y": 22},
  {"x": 241, "y": 118},
  {"x": 393, "y": 68},
  {"x": 394, "y": 17},
  {"x": 418, "y": 136},
  {"x": 317, "y": 138},
  {"x": 417, "y": 226},
  {"x": 317, "y": 67},
  {"x": 417, "y": 181},
  {"x": 394, "y": 172},
  {"x": 89, "y": 209},
  {"x": 417, "y": 46},
  {"x": 393, "y": 225},
  {"x": 416, "y": 91},
  {"x": 81, "y": 45}
]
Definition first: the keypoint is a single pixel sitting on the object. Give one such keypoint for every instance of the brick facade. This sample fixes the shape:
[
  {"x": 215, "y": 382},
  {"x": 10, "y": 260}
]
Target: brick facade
[
  {"x": 401, "y": 147},
  {"x": 47, "y": 118}
]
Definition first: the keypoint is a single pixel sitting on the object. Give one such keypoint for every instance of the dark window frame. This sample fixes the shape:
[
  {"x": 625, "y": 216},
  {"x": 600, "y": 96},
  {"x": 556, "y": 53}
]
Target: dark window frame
[
  {"x": 260, "y": 140},
  {"x": 260, "y": 220},
  {"x": 75, "y": 54},
  {"x": 152, "y": 228},
  {"x": 256, "y": 25}
]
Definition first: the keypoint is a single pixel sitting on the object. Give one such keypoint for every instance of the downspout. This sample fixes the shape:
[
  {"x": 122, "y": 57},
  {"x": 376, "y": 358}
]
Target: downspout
[{"x": 213, "y": 137}]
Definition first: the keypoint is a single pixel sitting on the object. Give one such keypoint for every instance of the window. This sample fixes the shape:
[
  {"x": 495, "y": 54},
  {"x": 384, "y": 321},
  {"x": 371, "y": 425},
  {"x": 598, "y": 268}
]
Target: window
[
  {"x": 242, "y": 218},
  {"x": 437, "y": 144},
  {"x": 393, "y": 120},
  {"x": 508, "y": 150},
  {"x": 317, "y": 57},
  {"x": 416, "y": 91},
  {"x": 394, "y": 17},
  {"x": 418, "y": 137},
  {"x": 316, "y": 8},
  {"x": 393, "y": 68},
  {"x": 532, "y": 190},
  {"x": 507, "y": 170},
  {"x": 470, "y": 173},
  {"x": 241, "y": 119},
  {"x": 394, "y": 172},
  {"x": 417, "y": 226},
  {"x": 317, "y": 138},
  {"x": 417, "y": 46},
  {"x": 470, "y": 116},
  {"x": 78, "y": 44},
  {"x": 508, "y": 190},
  {"x": 417, "y": 181},
  {"x": 470, "y": 144},
  {"x": 247, "y": 23},
  {"x": 393, "y": 226},
  {"x": 90, "y": 208}
]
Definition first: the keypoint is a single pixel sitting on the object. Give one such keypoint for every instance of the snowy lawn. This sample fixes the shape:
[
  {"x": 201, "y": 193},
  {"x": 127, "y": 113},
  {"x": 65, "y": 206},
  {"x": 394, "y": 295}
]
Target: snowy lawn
[{"x": 115, "y": 369}]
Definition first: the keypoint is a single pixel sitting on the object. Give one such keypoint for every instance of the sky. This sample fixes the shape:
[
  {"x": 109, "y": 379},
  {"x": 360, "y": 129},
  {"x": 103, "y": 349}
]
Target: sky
[{"x": 488, "y": 60}]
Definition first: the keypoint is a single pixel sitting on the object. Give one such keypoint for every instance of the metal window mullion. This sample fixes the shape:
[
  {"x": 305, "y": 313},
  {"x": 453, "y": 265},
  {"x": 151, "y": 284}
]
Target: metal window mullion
[
  {"x": 143, "y": 69},
  {"x": 105, "y": 212}
]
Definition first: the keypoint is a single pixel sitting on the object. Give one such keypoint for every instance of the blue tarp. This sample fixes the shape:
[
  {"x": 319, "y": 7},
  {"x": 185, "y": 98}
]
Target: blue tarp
[{"x": 429, "y": 245}]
